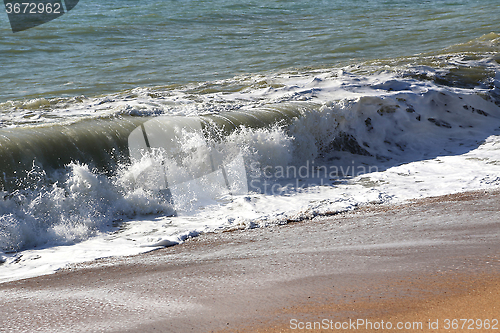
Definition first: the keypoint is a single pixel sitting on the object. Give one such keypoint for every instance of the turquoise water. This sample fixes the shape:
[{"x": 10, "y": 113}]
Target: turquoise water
[
  {"x": 103, "y": 47},
  {"x": 405, "y": 92}
]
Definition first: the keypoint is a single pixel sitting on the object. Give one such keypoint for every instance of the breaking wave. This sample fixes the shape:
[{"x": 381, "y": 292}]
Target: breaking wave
[{"x": 66, "y": 169}]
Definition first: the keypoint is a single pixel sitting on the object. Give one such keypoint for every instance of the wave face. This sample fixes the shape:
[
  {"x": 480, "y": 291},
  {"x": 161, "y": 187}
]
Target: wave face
[{"x": 314, "y": 142}]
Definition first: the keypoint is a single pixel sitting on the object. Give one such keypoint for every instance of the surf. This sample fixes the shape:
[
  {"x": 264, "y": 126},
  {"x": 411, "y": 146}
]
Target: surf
[{"x": 385, "y": 131}]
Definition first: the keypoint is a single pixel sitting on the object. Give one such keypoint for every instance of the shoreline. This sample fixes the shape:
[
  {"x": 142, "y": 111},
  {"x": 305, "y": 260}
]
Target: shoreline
[
  {"x": 445, "y": 302},
  {"x": 383, "y": 259}
]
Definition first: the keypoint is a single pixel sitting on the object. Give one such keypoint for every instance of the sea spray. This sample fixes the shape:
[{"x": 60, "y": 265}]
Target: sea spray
[
  {"x": 70, "y": 207},
  {"x": 409, "y": 127}
]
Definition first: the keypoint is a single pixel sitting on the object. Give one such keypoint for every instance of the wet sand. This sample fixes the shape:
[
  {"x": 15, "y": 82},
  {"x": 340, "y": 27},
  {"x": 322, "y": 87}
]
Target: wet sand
[
  {"x": 422, "y": 261},
  {"x": 448, "y": 302}
]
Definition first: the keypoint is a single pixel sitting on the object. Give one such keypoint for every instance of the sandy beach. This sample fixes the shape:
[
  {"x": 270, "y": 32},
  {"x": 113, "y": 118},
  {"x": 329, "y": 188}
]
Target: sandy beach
[
  {"x": 421, "y": 262},
  {"x": 250, "y": 166}
]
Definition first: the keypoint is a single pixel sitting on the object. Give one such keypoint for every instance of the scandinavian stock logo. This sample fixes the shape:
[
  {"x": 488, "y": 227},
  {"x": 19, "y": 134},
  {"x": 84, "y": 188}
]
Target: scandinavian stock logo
[
  {"x": 26, "y": 14},
  {"x": 172, "y": 155}
]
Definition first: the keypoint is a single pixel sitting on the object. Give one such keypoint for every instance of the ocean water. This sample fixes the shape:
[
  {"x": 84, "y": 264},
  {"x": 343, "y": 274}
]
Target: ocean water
[{"x": 325, "y": 105}]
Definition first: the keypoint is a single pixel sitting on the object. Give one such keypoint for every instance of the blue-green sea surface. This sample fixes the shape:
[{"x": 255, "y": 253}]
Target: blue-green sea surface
[
  {"x": 316, "y": 107},
  {"x": 108, "y": 46}
]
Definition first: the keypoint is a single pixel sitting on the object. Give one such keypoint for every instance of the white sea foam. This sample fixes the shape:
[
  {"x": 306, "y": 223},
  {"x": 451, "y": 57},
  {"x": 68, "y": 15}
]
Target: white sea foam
[{"x": 381, "y": 138}]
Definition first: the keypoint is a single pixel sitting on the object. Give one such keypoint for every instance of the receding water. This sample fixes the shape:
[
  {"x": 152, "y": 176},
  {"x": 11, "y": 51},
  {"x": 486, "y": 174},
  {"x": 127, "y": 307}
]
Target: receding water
[{"x": 321, "y": 106}]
